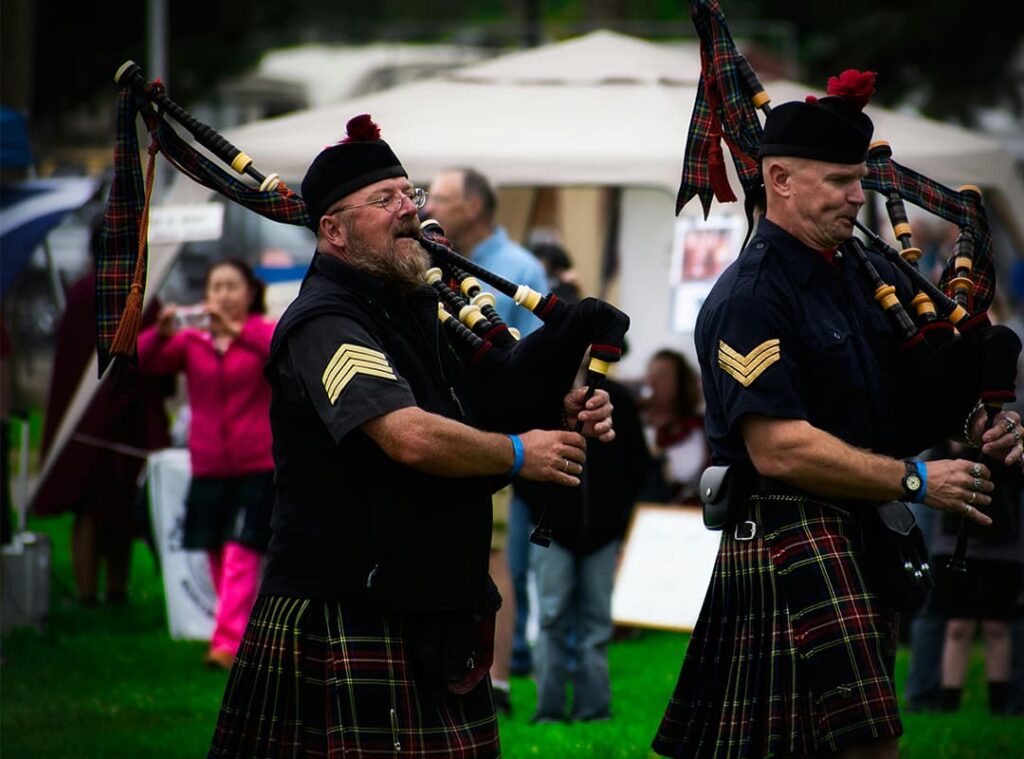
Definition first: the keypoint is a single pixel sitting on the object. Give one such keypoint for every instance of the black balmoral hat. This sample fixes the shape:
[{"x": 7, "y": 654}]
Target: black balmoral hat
[
  {"x": 360, "y": 159},
  {"x": 832, "y": 129}
]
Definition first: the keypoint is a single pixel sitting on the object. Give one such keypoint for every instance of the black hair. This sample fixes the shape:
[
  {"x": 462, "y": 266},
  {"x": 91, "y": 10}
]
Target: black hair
[
  {"x": 552, "y": 255},
  {"x": 258, "y": 288},
  {"x": 476, "y": 185},
  {"x": 687, "y": 390}
]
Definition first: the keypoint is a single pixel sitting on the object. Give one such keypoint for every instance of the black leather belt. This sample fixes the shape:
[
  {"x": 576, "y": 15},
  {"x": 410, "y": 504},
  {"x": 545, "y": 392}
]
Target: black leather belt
[
  {"x": 748, "y": 527},
  {"x": 768, "y": 486}
]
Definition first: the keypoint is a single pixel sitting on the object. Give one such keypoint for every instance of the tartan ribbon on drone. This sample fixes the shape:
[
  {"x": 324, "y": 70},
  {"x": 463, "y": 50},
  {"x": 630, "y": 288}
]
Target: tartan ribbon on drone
[
  {"x": 722, "y": 110},
  {"x": 119, "y": 232},
  {"x": 121, "y": 263},
  {"x": 726, "y": 109}
]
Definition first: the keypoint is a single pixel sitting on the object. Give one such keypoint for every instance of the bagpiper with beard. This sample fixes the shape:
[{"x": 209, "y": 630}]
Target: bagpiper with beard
[{"x": 373, "y": 631}]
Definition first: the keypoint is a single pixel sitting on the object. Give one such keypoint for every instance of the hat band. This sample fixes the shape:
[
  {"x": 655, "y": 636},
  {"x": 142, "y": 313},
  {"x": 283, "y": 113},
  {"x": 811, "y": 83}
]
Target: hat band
[{"x": 356, "y": 183}]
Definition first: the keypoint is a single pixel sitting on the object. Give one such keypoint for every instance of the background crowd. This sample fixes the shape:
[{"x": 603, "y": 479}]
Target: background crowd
[{"x": 556, "y": 622}]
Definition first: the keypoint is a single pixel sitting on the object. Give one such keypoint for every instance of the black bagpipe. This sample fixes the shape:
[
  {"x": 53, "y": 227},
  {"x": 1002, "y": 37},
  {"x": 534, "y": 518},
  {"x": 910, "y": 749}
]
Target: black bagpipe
[
  {"x": 536, "y": 370},
  {"x": 130, "y": 75},
  {"x": 951, "y": 355},
  {"x": 530, "y": 375}
]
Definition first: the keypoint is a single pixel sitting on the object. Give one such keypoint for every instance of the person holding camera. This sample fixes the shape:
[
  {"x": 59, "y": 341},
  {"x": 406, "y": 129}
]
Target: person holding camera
[{"x": 221, "y": 347}]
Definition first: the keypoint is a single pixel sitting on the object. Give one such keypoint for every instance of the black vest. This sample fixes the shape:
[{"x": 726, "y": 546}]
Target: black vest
[{"x": 349, "y": 522}]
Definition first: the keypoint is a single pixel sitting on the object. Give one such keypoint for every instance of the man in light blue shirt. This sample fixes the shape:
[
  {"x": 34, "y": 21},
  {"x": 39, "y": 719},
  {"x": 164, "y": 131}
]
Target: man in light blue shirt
[{"x": 464, "y": 203}]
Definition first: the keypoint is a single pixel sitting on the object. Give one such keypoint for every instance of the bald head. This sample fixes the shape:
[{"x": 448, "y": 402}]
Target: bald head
[{"x": 464, "y": 202}]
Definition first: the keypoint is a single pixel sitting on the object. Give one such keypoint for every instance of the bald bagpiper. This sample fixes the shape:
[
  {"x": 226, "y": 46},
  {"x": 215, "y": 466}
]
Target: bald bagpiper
[{"x": 794, "y": 649}]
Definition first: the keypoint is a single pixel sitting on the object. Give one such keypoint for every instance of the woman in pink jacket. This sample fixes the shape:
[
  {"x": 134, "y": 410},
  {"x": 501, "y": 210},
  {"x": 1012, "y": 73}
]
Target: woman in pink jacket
[{"x": 230, "y": 497}]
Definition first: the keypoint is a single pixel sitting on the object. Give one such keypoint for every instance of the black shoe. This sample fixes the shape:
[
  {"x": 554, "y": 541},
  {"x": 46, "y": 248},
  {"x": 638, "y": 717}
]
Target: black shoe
[
  {"x": 547, "y": 719},
  {"x": 502, "y": 702},
  {"x": 602, "y": 717}
]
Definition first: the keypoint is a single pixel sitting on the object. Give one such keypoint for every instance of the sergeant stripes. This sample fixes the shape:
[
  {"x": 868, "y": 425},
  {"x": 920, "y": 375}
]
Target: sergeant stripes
[
  {"x": 746, "y": 369},
  {"x": 348, "y": 362}
]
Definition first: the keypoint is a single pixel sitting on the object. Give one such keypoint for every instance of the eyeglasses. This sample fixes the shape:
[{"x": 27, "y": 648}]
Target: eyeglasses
[{"x": 392, "y": 201}]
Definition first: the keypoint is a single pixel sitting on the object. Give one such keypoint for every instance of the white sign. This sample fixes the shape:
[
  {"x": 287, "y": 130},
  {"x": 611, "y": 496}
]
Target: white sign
[
  {"x": 186, "y": 223},
  {"x": 700, "y": 252},
  {"x": 188, "y": 587},
  {"x": 666, "y": 566}
]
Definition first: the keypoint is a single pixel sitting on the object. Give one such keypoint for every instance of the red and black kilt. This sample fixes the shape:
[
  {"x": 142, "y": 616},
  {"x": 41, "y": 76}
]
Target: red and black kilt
[
  {"x": 321, "y": 679},
  {"x": 791, "y": 655}
]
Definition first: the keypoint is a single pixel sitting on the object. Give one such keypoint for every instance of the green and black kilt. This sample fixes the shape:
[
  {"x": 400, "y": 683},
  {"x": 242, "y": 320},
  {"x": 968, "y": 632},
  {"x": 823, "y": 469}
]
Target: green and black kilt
[
  {"x": 319, "y": 679},
  {"x": 792, "y": 655}
]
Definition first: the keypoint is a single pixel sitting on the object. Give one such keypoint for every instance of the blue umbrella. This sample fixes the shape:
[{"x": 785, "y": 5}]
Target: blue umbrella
[{"x": 28, "y": 211}]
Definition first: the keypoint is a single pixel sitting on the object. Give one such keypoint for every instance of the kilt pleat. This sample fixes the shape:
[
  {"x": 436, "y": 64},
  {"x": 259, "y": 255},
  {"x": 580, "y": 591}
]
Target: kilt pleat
[
  {"x": 319, "y": 679},
  {"x": 791, "y": 654}
]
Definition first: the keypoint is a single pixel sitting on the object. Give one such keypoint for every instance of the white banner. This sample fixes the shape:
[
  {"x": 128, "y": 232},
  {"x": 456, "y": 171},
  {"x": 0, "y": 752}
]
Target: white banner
[
  {"x": 191, "y": 599},
  {"x": 186, "y": 223}
]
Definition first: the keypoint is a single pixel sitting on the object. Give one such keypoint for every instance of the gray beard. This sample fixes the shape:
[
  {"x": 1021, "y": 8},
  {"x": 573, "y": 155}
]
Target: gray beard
[{"x": 402, "y": 271}]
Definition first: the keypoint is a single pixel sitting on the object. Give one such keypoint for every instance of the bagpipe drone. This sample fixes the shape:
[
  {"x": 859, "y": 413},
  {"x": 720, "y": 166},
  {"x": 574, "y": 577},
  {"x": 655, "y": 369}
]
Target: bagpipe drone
[
  {"x": 533, "y": 373},
  {"x": 951, "y": 356}
]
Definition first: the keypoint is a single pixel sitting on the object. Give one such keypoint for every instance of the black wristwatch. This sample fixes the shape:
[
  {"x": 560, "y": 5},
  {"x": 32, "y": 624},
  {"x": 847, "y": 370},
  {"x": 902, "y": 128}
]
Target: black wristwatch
[{"x": 911, "y": 482}]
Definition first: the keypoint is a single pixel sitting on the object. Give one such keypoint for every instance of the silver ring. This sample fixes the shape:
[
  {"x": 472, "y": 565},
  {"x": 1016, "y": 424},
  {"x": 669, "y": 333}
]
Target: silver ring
[
  {"x": 968, "y": 509},
  {"x": 976, "y": 470},
  {"x": 977, "y": 484},
  {"x": 1016, "y": 436},
  {"x": 973, "y": 497},
  {"x": 1009, "y": 425},
  {"x": 565, "y": 465}
]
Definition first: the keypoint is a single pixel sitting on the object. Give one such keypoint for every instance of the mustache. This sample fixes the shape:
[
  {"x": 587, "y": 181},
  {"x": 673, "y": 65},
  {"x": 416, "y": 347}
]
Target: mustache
[{"x": 409, "y": 228}]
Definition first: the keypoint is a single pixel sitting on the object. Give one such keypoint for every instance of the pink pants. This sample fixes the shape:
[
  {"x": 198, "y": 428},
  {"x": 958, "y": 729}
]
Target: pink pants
[{"x": 236, "y": 572}]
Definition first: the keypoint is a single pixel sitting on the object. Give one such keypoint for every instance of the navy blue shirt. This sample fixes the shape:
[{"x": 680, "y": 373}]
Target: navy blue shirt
[{"x": 786, "y": 334}]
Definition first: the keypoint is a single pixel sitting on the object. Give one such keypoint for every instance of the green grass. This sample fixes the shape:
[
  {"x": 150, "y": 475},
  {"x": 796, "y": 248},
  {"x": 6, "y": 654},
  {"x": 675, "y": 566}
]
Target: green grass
[{"x": 109, "y": 682}]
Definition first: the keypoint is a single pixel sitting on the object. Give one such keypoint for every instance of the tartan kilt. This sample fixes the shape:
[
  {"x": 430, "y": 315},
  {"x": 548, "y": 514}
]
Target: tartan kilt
[
  {"x": 792, "y": 655},
  {"x": 323, "y": 679}
]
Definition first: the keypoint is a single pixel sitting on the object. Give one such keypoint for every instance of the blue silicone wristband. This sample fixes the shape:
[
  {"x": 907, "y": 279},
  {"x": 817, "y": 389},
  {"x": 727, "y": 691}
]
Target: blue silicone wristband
[
  {"x": 922, "y": 472},
  {"x": 518, "y": 455}
]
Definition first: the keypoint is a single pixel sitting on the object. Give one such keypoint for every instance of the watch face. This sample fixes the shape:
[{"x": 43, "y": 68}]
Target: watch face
[{"x": 913, "y": 483}]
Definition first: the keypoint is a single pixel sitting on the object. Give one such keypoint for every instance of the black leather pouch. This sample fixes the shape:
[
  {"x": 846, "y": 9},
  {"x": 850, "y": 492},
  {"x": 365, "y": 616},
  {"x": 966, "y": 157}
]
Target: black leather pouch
[
  {"x": 724, "y": 491},
  {"x": 897, "y": 562}
]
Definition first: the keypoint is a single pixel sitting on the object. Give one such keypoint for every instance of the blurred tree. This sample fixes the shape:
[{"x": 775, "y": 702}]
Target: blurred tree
[
  {"x": 943, "y": 56},
  {"x": 78, "y": 46},
  {"x": 949, "y": 58}
]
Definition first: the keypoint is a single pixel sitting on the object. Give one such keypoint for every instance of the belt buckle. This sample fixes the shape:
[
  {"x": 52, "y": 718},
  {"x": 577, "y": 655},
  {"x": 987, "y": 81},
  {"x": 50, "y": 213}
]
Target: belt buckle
[{"x": 745, "y": 531}]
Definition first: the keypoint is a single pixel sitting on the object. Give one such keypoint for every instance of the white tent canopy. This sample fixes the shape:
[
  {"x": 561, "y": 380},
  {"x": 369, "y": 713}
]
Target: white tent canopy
[{"x": 602, "y": 109}]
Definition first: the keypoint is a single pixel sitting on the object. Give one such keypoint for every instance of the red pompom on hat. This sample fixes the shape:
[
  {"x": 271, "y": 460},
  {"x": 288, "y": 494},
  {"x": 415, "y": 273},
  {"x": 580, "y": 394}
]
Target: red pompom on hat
[
  {"x": 856, "y": 87},
  {"x": 361, "y": 128},
  {"x": 832, "y": 129},
  {"x": 359, "y": 159}
]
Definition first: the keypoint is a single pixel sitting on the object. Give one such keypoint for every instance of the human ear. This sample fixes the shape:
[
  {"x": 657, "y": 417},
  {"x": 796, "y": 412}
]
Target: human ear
[
  {"x": 777, "y": 176},
  {"x": 332, "y": 231}
]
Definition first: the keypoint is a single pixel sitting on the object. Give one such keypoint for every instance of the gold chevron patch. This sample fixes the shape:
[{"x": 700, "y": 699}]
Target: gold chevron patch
[
  {"x": 746, "y": 369},
  {"x": 350, "y": 361}
]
